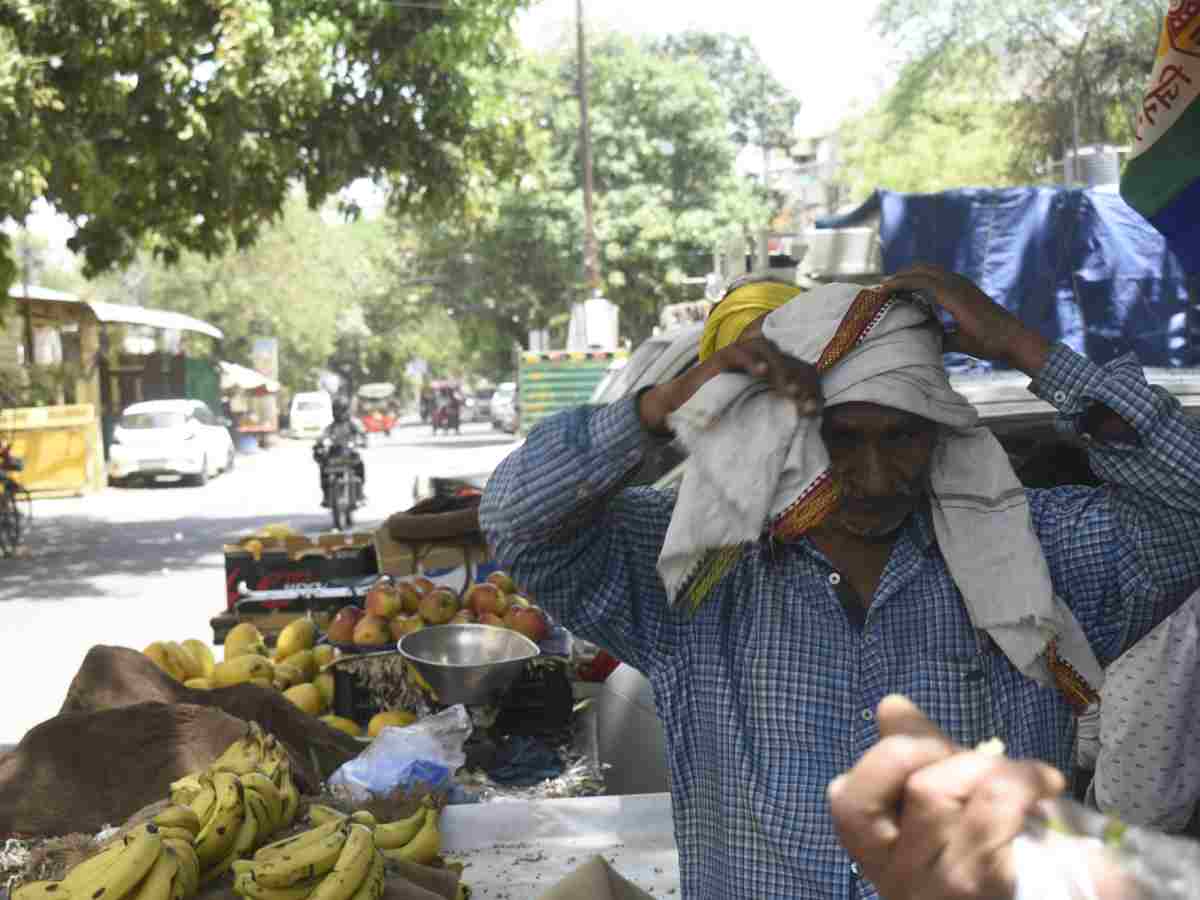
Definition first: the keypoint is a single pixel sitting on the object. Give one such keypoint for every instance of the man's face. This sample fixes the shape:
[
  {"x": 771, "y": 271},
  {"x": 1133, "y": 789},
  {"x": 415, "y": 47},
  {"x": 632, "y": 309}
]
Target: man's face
[{"x": 880, "y": 457}]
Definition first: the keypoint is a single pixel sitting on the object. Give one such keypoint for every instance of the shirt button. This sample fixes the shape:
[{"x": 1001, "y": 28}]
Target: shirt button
[
  {"x": 835, "y": 579},
  {"x": 867, "y": 715},
  {"x": 855, "y": 870},
  {"x": 1086, "y": 438},
  {"x": 1060, "y": 396}
]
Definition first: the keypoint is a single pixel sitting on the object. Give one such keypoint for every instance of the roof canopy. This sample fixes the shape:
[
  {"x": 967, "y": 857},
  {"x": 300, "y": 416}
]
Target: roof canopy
[
  {"x": 120, "y": 312},
  {"x": 239, "y": 378}
]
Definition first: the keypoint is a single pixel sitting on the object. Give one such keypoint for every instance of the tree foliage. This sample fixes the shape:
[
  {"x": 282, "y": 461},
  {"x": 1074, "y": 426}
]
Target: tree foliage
[
  {"x": 182, "y": 124},
  {"x": 1054, "y": 63},
  {"x": 665, "y": 190}
]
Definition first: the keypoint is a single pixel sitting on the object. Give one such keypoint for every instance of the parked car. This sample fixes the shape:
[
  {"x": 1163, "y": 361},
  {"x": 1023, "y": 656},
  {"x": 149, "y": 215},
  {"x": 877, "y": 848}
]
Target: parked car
[
  {"x": 502, "y": 408},
  {"x": 311, "y": 413},
  {"x": 176, "y": 438}
]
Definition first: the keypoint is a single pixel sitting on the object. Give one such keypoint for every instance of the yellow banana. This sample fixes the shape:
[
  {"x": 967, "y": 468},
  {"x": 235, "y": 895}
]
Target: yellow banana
[
  {"x": 203, "y": 655},
  {"x": 373, "y": 885},
  {"x": 241, "y": 757},
  {"x": 394, "y": 835},
  {"x": 362, "y": 817},
  {"x": 265, "y": 788},
  {"x": 309, "y": 861},
  {"x": 175, "y": 834},
  {"x": 186, "y": 789},
  {"x": 351, "y": 868},
  {"x": 156, "y": 885},
  {"x": 243, "y": 844},
  {"x": 296, "y": 842},
  {"x": 291, "y": 796},
  {"x": 204, "y": 801},
  {"x": 85, "y": 871},
  {"x": 188, "y": 876},
  {"x": 425, "y": 845},
  {"x": 178, "y": 816},
  {"x": 41, "y": 890},
  {"x": 257, "y": 809},
  {"x": 127, "y": 868},
  {"x": 221, "y": 830},
  {"x": 245, "y": 885},
  {"x": 182, "y": 663},
  {"x": 320, "y": 814}
]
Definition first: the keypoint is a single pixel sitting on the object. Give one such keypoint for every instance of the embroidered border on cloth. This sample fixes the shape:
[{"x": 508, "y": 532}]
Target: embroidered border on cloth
[
  {"x": 1073, "y": 686},
  {"x": 820, "y": 498}
]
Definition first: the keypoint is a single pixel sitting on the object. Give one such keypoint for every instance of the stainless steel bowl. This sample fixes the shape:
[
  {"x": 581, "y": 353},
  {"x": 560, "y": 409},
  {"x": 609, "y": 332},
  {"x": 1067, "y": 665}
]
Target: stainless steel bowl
[{"x": 469, "y": 664}]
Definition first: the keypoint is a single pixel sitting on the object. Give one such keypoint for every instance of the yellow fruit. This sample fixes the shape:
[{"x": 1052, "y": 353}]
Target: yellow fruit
[
  {"x": 287, "y": 675},
  {"x": 349, "y": 726},
  {"x": 244, "y": 638},
  {"x": 157, "y": 654},
  {"x": 263, "y": 682},
  {"x": 203, "y": 654},
  {"x": 297, "y": 635},
  {"x": 305, "y": 696},
  {"x": 241, "y": 669},
  {"x": 199, "y": 684},
  {"x": 324, "y": 654},
  {"x": 324, "y": 683},
  {"x": 181, "y": 661},
  {"x": 305, "y": 662},
  {"x": 398, "y": 717}
]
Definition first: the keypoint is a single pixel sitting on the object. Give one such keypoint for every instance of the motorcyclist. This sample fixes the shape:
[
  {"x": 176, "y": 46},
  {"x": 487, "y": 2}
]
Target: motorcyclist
[{"x": 341, "y": 436}]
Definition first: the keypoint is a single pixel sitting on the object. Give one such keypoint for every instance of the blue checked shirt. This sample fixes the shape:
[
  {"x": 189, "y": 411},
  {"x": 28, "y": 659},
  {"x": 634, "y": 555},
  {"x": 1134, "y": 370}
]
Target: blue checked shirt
[{"x": 769, "y": 691}]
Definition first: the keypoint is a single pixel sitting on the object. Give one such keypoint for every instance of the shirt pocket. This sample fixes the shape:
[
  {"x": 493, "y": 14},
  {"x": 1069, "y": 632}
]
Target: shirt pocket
[{"x": 955, "y": 691}]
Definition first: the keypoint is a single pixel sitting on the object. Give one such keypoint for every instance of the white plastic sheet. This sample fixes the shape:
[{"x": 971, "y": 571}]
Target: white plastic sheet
[{"x": 517, "y": 850}]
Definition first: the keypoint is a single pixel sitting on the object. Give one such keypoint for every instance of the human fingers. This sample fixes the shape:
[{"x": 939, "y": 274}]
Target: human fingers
[
  {"x": 785, "y": 374},
  {"x": 866, "y": 800},
  {"x": 977, "y": 860}
]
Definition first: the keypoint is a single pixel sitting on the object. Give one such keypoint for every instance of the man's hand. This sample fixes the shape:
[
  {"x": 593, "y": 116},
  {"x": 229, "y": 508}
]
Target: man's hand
[
  {"x": 926, "y": 819},
  {"x": 986, "y": 330},
  {"x": 752, "y": 355}
]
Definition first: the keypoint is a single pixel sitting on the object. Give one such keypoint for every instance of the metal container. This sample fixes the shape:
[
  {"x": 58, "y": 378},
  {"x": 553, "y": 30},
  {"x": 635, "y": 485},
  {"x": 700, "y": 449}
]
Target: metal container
[{"x": 468, "y": 664}]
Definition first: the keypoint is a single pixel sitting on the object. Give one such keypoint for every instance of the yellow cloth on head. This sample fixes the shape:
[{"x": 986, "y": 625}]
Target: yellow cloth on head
[{"x": 739, "y": 309}]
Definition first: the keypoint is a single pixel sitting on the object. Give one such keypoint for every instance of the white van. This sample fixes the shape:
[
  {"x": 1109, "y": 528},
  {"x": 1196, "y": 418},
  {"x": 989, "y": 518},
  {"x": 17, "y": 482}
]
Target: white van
[{"x": 311, "y": 413}]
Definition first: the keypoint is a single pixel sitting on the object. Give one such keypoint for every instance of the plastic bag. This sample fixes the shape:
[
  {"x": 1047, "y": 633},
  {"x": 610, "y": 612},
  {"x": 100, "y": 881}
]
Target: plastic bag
[
  {"x": 428, "y": 753},
  {"x": 1069, "y": 852}
]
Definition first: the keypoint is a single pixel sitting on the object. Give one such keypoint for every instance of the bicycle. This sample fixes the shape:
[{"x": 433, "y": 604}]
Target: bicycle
[{"x": 16, "y": 505}]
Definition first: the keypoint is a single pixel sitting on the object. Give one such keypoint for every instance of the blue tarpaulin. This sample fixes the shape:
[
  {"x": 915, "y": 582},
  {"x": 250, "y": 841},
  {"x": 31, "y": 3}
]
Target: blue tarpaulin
[{"x": 1079, "y": 265}]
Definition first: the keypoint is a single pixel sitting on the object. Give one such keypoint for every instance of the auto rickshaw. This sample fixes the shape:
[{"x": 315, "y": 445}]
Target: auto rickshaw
[
  {"x": 377, "y": 407},
  {"x": 446, "y": 399}
]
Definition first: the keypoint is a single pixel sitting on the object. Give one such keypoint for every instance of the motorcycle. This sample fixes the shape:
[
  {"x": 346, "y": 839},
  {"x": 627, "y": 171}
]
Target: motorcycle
[{"x": 340, "y": 465}]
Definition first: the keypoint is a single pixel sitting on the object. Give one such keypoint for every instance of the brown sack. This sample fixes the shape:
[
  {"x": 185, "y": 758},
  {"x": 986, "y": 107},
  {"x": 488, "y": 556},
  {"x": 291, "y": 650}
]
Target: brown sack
[
  {"x": 117, "y": 676},
  {"x": 81, "y": 771}
]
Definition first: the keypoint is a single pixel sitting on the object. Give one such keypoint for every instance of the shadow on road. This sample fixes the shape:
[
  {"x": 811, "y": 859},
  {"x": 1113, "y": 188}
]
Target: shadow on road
[{"x": 81, "y": 555}]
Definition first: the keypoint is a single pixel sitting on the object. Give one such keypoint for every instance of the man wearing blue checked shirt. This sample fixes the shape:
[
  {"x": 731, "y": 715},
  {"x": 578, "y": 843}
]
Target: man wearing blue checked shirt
[{"x": 845, "y": 530}]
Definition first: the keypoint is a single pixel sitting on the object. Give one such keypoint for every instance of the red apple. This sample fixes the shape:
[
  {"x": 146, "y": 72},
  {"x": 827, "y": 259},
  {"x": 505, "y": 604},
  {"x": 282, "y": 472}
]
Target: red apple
[
  {"x": 439, "y": 606},
  {"x": 410, "y": 597},
  {"x": 503, "y": 581},
  {"x": 405, "y": 624},
  {"x": 492, "y": 619},
  {"x": 423, "y": 585},
  {"x": 483, "y": 597},
  {"x": 341, "y": 629},
  {"x": 529, "y": 621},
  {"x": 464, "y": 617},
  {"x": 372, "y": 631},
  {"x": 383, "y": 600}
]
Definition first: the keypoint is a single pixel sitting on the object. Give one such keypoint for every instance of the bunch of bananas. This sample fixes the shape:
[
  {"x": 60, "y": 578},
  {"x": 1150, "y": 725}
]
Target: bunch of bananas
[
  {"x": 151, "y": 862},
  {"x": 414, "y": 839},
  {"x": 334, "y": 861}
]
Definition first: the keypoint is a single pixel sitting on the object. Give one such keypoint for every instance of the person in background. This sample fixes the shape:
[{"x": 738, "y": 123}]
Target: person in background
[
  {"x": 341, "y": 436},
  {"x": 845, "y": 530}
]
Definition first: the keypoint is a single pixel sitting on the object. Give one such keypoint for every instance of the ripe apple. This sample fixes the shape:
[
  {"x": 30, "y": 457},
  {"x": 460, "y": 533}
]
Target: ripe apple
[
  {"x": 503, "y": 581},
  {"x": 439, "y": 606},
  {"x": 517, "y": 600},
  {"x": 492, "y": 619},
  {"x": 529, "y": 621},
  {"x": 341, "y": 629},
  {"x": 464, "y": 617},
  {"x": 423, "y": 585},
  {"x": 383, "y": 600},
  {"x": 410, "y": 597},
  {"x": 372, "y": 631},
  {"x": 484, "y": 597},
  {"x": 405, "y": 624}
]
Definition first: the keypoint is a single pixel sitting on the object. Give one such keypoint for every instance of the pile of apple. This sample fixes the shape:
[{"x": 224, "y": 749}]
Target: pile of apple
[{"x": 396, "y": 608}]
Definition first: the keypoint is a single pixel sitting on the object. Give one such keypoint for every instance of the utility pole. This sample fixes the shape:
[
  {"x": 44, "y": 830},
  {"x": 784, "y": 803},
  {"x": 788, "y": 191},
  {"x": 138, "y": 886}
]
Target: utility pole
[{"x": 585, "y": 140}]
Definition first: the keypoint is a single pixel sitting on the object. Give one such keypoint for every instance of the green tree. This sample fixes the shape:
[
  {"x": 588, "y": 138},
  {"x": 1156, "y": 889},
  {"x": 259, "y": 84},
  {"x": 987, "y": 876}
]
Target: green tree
[
  {"x": 665, "y": 191},
  {"x": 1062, "y": 66},
  {"x": 182, "y": 124}
]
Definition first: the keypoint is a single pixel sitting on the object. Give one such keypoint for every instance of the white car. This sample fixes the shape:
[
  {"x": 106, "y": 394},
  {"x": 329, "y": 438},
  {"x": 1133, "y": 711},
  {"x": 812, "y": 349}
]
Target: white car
[
  {"x": 311, "y": 413},
  {"x": 179, "y": 438},
  {"x": 502, "y": 408}
]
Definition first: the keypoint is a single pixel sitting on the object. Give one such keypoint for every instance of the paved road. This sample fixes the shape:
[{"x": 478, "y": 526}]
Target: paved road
[{"x": 133, "y": 565}]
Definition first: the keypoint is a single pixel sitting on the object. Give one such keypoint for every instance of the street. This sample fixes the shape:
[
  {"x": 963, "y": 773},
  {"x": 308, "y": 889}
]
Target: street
[{"x": 133, "y": 565}]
